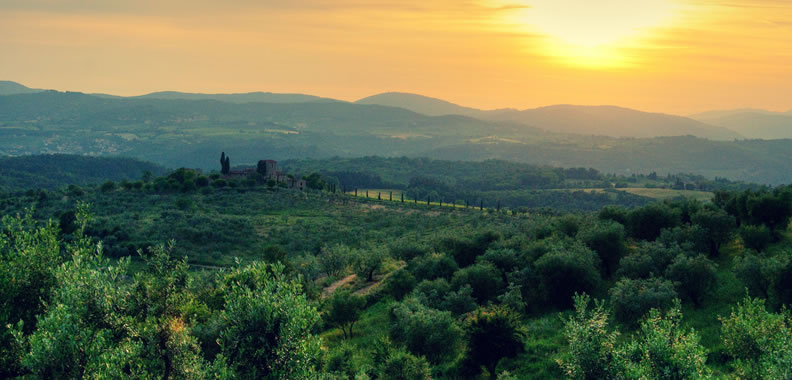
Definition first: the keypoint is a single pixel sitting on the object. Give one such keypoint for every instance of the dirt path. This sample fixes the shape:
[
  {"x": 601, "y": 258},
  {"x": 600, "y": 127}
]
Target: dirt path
[{"x": 332, "y": 288}]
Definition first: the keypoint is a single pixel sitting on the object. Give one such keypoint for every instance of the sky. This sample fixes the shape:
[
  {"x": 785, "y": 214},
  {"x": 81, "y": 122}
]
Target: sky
[{"x": 673, "y": 56}]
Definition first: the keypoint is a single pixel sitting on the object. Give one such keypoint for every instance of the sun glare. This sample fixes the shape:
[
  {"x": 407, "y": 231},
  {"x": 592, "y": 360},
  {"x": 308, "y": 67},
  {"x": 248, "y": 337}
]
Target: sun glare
[{"x": 594, "y": 33}]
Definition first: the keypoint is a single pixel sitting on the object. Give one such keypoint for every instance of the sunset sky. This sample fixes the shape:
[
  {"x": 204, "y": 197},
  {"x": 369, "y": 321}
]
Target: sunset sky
[{"x": 676, "y": 56}]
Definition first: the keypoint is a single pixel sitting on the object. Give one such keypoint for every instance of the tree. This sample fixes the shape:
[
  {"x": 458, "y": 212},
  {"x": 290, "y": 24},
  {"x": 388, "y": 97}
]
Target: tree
[
  {"x": 433, "y": 266},
  {"x": 694, "y": 276},
  {"x": 366, "y": 262},
  {"x": 493, "y": 333},
  {"x": 608, "y": 241},
  {"x": 754, "y": 237},
  {"x": 267, "y": 324},
  {"x": 225, "y": 163},
  {"x": 335, "y": 259},
  {"x": 29, "y": 258},
  {"x": 396, "y": 364},
  {"x": 400, "y": 283},
  {"x": 719, "y": 227},
  {"x": 758, "y": 340},
  {"x": 485, "y": 280},
  {"x": 663, "y": 349},
  {"x": 425, "y": 331},
  {"x": 646, "y": 223},
  {"x": 565, "y": 271},
  {"x": 343, "y": 311},
  {"x": 592, "y": 353},
  {"x": 632, "y": 299}
]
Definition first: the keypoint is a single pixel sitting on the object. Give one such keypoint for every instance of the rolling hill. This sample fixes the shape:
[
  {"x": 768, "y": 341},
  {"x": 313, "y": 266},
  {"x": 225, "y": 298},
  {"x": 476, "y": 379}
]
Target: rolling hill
[
  {"x": 756, "y": 124},
  {"x": 250, "y": 97},
  {"x": 14, "y": 88},
  {"x": 585, "y": 120}
]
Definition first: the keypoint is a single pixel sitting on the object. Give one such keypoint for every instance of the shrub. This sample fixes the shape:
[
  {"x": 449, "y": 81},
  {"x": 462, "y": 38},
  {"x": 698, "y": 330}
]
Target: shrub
[
  {"x": 632, "y": 299},
  {"x": 425, "y": 331},
  {"x": 649, "y": 259},
  {"x": 343, "y": 310},
  {"x": 400, "y": 283},
  {"x": 646, "y": 223},
  {"x": 607, "y": 240},
  {"x": 433, "y": 266},
  {"x": 664, "y": 350},
  {"x": 566, "y": 271},
  {"x": 460, "y": 302},
  {"x": 432, "y": 292},
  {"x": 484, "y": 279},
  {"x": 755, "y": 237},
  {"x": 758, "y": 340},
  {"x": 592, "y": 350},
  {"x": 694, "y": 276},
  {"x": 568, "y": 225},
  {"x": 494, "y": 333}
]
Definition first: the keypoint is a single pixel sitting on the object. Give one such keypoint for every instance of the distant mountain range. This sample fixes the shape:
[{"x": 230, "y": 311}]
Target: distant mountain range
[
  {"x": 586, "y": 120},
  {"x": 179, "y": 129},
  {"x": 752, "y": 123}
]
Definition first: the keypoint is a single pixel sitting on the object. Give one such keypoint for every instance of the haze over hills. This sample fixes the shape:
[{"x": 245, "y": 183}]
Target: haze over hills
[
  {"x": 13, "y": 88},
  {"x": 757, "y": 124},
  {"x": 250, "y": 97},
  {"x": 190, "y": 133},
  {"x": 586, "y": 120}
]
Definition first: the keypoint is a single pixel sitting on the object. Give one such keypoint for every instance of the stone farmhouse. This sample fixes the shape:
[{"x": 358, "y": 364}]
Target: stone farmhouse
[{"x": 268, "y": 171}]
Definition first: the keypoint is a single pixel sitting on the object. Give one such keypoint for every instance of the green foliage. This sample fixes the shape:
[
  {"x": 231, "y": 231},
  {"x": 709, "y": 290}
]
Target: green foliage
[
  {"x": 648, "y": 259},
  {"x": 718, "y": 227},
  {"x": 484, "y": 279},
  {"x": 661, "y": 349},
  {"x": 494, "y": 333},
  {"x": 592, "y": 350},
  {"x": 367, "y": 261},
  {"x": 396, "y": 364},
  {"x": 759, "y": 341},
  {"x": 267, "y": 324},
  {"x": 568, "y": 270},
  {"x": 607, "y": 240},
  {"x": 759, "y": 274},
  {"x": 335, "y": 259},
  {"x": 343, "y": 310},
  {"x": 647, "y": 222},
  {"x": 400, "y": 283},
  {"x": 568, "y": 225},
  {"x": 426, "y": 331},
  {"x": 29, "y": 257},
  {"x": 632, "y": 299},
  {"x": 757, "y": 238},
  {"x": 694, "y": 276},
  {"x": 664, "y": 349},
  {"x": 433, "y": 266}
]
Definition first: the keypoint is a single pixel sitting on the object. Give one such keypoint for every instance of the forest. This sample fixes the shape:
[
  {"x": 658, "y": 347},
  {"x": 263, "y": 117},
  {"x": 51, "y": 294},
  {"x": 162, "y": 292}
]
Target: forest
[{"x": 191, "y": 276}]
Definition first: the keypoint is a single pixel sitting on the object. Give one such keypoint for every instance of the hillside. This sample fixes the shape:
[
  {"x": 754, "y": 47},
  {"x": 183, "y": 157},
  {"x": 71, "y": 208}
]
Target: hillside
[
  {"x": 754, "y": 124},
  {"x": 58, "y": 170},
  {"x": 191, "y": 133},
  {"x": 250, "y": 97},
  {"x": 420, "y": 104},
  {"x": 584, "y": 120},
  {"x": 14, "y": 88}
]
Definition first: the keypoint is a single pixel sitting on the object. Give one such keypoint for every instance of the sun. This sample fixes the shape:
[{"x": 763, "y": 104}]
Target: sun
[{"x": 594, "y": 33}]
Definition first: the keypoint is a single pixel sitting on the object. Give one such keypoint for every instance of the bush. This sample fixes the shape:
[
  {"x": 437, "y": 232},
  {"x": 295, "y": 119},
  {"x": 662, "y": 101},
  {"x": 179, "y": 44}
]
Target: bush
[
  {"x": 649, "y": 259},
  {"x": 646, "y": 223},
  {"x": 460, "y": 302},
  {"x": 505, "y": 259},
  {"x": 433, "y": 266},
  {"x": 485, "y": 280},
  {"x": 607, "y": 240},
  {"x": 758, "y": 274},
  {"x": 592, "y": 352},
  {"x": 615, "y": 214},
  {"x": 432, "y": 292},
  {"x": 754, "y": 237},
  {"x": 759, "y": 340},
  {"x": 694, "y": 276},
  {"x": 494, "y": 333},
  {"x": 566, "y": 271},
  {"x": 568, "y": 225},
  {"x": 664, "y": 350},
  {"x": 400, "y": 283},
  {"x": 632, "y": 299},
  {"x": 425, "y": 331},
  {"x": 719, "y": 227},
  {"x": 343, "y": 310}
]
